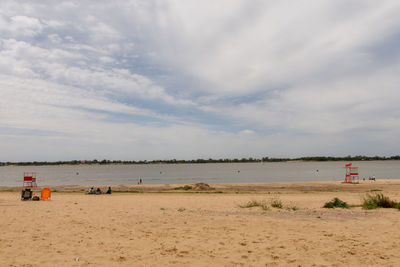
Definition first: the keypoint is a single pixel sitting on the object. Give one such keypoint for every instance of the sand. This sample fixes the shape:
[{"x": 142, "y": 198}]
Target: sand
[{"x": 161, "y": 225}]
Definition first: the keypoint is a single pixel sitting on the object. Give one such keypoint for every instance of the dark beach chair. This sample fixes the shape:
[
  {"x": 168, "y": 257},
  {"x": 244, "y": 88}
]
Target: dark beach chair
[{"x": 26, "y": 194}]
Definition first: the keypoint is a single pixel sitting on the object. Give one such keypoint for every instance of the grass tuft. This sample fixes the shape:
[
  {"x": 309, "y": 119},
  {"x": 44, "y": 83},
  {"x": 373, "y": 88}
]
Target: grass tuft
[
  {"x": 375, "y": 190},
  {"x": 255, "y": 203},
  {"x": 276, "y": 203},
  {"x": 378, "y": 201},
  {"x": 186, "y": 187},
  {"x": 336, "y": 203}
]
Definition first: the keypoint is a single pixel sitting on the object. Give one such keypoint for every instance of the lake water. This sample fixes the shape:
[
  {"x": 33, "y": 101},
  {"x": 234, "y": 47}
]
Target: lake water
[{"x": 193, "y": 173}]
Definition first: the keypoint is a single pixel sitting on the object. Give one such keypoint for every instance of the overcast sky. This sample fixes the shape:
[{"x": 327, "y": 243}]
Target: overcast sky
[{"x": 165, "y": 79}]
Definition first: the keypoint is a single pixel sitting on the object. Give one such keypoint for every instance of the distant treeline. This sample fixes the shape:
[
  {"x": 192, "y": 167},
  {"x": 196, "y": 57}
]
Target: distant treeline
[{"x": 175, "y": 161}]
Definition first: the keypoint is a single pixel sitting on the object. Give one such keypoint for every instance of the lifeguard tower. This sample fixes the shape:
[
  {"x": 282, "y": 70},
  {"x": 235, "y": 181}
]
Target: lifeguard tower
[
  {"x": 29, "y": 179},
  {"x": 351, "y": 176}
]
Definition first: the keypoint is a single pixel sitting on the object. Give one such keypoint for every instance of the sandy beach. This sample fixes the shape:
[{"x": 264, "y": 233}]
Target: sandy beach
[{"x": 153, "y": 225}]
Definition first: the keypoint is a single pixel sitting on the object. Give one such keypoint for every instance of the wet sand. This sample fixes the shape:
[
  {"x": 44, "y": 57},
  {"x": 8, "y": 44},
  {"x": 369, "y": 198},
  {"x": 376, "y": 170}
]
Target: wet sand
[{"x": 155, "y": 225}]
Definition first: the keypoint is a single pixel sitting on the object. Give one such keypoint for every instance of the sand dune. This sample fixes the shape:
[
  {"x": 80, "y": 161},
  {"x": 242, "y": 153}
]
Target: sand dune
[{"x": 195, "y": 229}]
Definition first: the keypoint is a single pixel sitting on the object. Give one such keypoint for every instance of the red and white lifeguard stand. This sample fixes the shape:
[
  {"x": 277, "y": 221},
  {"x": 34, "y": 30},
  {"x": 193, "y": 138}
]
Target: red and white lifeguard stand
[
  {"x": 29, "y": 179},
  {"x": 351, "y": 176}
]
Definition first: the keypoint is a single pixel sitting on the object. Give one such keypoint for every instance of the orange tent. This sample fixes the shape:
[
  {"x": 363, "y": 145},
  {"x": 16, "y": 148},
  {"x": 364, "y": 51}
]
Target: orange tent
[{"x": 46, "y": 194}]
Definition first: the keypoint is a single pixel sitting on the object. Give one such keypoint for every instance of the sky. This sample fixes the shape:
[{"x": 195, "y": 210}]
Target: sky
[{"x": 164, "y": 79}]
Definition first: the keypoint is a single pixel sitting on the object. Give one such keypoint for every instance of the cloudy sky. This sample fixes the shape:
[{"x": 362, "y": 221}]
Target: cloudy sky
[{"x": 148, "y": 79}]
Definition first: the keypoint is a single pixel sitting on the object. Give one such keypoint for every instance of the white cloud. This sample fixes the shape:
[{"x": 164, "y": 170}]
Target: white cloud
[
  {"x": 20, "y": 26},
  {"x": 247, "y": 47},
  {"x": 199, "y": 79}
]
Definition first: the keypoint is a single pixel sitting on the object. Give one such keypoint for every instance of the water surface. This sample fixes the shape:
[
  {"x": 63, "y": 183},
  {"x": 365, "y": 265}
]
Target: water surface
[{"x": 192, "y": 173}]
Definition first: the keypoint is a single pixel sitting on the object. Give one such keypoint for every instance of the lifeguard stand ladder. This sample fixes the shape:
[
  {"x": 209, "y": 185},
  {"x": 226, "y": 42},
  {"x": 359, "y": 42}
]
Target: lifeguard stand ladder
[
  {"x": 351, "y": 174},
  {"x": 29, "y": 179}
]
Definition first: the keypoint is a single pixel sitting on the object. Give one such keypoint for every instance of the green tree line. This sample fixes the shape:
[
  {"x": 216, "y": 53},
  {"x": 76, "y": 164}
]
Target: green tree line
[{"x": 199, "y": 161}]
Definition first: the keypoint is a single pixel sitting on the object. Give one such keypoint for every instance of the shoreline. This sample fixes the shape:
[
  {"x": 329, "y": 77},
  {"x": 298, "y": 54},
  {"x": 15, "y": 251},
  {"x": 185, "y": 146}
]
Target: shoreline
[{"x": 318, "y": 186}]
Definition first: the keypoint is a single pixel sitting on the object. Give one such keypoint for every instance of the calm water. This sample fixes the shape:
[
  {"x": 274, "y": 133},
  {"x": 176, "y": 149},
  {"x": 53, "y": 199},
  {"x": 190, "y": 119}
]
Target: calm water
[{"x": 191, "y": 173}]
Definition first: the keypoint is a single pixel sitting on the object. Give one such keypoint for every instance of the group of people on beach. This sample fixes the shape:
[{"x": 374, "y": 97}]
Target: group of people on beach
[
  {"x": 98, "y": 191},
  {"x": 371, "y": 178}
]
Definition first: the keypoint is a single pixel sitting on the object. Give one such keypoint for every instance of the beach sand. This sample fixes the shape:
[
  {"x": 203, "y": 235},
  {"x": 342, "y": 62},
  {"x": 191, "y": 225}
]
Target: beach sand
[{"x": 160, "y": 225}]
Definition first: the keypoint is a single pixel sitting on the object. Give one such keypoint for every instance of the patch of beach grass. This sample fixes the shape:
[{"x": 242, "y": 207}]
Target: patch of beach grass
[
  {"x": 255, "y": 203},
  {"x": 379, "y": 200},
  {"x": 250, "y": 204},
  {"x": 336, "y": 203},
  {"x": 186, "y": 187},
  {"x": 276, "y": 203},
  {"x": 293, "y": 208}
]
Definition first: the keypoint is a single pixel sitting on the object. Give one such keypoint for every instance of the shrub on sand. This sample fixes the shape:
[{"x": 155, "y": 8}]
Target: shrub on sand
[
  {"x": 186, "y": 187},
  {"x": 264, "y": 206},
  {"x": 336, "y": 203},
  {"x": 276, "y": 203},
  {"x": 378, "y": 201},
  {"x": 255, "y": 203},
  {"x": 250, "y": 204}
]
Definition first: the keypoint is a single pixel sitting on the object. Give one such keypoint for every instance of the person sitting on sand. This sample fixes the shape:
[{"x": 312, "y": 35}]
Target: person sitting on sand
[
  {"x": 109, "y": 190},
  {"x": 98, "y": 191},
  {"x": 91, "y": 191}
]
